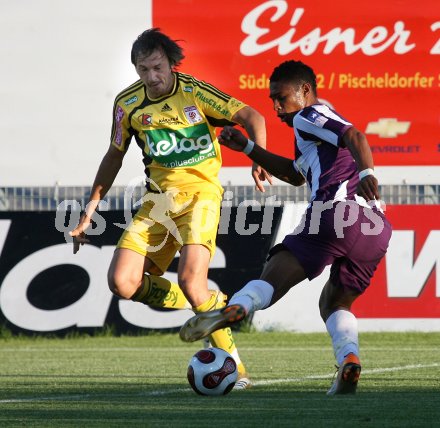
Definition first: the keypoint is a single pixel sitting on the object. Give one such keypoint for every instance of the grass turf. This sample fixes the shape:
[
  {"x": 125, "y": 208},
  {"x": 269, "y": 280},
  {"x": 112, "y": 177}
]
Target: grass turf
[{"x": 141, "y": 381}]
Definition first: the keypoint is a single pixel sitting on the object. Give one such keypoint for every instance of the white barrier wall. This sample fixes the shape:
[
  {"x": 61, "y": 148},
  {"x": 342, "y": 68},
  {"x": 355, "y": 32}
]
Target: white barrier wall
[{"x": 62, "y": 64}]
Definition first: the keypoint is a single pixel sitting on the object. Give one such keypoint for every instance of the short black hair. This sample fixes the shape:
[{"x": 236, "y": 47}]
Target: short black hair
[
  {"x": 153, "y": 39},
  {"x": 295, "y": 72}
]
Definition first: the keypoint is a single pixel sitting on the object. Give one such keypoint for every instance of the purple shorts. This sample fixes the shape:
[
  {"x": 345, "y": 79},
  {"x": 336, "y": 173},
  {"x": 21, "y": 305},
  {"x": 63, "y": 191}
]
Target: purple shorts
[{"x": 351, "y": 238}]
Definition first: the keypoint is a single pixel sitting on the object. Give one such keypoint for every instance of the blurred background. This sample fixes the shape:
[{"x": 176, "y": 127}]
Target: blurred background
[{"x": 63, "y": 63}]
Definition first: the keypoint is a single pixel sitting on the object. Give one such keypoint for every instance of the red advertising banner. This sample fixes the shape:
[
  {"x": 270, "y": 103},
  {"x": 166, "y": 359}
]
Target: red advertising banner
[
  {"x": 377, "y": 63},
  {"x": 407, "y": 282}
]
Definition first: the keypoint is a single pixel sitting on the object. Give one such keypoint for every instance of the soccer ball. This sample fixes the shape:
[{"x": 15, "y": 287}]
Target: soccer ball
[{"x": 212, "y": 371}]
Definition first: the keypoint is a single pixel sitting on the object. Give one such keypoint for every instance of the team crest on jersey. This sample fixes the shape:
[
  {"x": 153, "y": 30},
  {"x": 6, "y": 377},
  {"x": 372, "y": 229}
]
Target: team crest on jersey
[
  {"x": 316, "y": 118},
  {"x": 192, "y": 114},
  {"x": 145, "y": 119},
  {"x": 187, "y": 89}
]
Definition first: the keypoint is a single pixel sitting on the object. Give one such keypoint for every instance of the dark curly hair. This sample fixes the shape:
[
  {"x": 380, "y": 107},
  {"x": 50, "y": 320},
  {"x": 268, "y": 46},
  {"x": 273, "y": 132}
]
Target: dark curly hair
[
  {"x": 153, "y": 39},
  {"x": 295, "y": 72}
]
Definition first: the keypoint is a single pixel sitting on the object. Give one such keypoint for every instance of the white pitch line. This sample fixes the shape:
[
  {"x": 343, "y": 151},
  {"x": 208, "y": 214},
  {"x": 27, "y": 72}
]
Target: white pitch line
[
  {"x": 327, "y": 376},
  {"x": 174, "y": 391},
  {"x": 173, "y": 349},
  {"x": 55, "y": 398}
]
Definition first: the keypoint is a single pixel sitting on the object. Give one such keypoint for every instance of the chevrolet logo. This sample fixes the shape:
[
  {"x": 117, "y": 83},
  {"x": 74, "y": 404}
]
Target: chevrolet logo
[{"x": 387, "y": 128}]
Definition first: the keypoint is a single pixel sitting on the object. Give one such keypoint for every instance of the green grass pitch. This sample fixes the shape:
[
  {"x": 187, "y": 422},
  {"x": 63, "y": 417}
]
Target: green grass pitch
[{"x": 141, "y": 381}]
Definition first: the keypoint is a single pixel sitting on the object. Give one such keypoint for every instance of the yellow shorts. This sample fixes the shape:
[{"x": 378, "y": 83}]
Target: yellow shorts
[{"x": 167, "y": 221}]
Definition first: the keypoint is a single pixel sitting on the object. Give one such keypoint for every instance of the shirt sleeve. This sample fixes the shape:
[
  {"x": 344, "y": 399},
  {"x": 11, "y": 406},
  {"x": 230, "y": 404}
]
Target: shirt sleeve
[
  {"x": 217, "y": 104},
  {"x": 314, "y": 125},
  {"x": 120, "y": 136}
]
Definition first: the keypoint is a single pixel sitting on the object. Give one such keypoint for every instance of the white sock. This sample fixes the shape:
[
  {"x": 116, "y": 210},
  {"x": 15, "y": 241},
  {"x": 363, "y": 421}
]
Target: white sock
[
  {"x": 343, "y": 329},
  {"x": 255, "y": 295}
]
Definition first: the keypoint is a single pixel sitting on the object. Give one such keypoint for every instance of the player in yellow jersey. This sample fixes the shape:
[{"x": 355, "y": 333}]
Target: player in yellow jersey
[{"x": 172, "y": 117}]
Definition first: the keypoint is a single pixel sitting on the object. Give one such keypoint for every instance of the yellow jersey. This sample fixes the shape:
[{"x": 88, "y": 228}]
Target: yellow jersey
[{"x": 175, "y": 132}]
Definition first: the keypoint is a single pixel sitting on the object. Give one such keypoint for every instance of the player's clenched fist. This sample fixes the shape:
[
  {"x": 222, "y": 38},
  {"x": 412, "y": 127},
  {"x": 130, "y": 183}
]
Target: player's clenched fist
[
  {"x": 78, "y": 234},
  {"x": 233, "y": 138}
]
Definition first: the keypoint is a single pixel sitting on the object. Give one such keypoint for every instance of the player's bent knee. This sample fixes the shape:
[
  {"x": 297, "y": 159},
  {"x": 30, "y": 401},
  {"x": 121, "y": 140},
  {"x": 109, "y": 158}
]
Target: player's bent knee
[{"x": 121, "y": 285}]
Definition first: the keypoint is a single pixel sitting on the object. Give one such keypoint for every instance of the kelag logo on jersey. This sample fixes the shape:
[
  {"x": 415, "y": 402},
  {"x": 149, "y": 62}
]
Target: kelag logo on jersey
[{"x": 180, "y": 147}]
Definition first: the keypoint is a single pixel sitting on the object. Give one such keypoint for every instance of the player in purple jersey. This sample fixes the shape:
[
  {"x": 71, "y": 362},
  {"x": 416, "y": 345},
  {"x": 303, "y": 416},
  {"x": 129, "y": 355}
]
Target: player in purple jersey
[{"x": 343, "y": 225}]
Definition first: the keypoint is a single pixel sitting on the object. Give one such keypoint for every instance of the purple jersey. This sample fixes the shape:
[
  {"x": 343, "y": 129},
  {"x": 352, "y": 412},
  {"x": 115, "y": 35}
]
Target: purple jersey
[
  {"x": 329, "y": 169},
  {"x": 325, "y": 235}
]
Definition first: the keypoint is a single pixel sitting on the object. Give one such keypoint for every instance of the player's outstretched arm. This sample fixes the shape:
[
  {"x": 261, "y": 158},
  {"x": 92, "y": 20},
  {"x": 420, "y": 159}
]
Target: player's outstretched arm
[
  {"x": 359, "y": 148},
  {"x": 255, "y": 126},
  {"x": 278, "y": 166},
  {"x": 108, "y": 169}
]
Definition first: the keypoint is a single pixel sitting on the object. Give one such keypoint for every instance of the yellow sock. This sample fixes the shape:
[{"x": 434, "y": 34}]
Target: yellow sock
[
  {"x": 159, "y": 292},
  {"x": 221, "y": 338}
]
